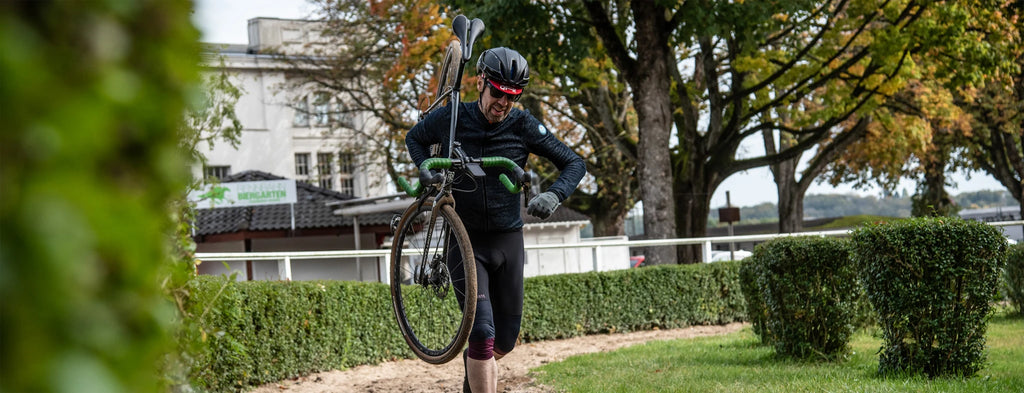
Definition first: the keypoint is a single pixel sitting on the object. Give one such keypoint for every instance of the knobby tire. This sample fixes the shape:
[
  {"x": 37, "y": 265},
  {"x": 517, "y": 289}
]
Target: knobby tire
[{"x": 433, "y": 321}]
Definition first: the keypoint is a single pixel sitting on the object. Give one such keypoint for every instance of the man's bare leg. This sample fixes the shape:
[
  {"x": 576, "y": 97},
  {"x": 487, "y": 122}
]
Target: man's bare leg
[{"x": 483, "y": 375}]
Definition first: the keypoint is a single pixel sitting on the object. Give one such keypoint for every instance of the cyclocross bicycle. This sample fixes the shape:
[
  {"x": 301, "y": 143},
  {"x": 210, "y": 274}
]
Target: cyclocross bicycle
[{"x": 431, "y": 249}]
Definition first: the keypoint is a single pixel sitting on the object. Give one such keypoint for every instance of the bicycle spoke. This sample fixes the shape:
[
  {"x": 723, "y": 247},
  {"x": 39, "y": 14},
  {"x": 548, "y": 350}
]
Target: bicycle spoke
[{"x": 431, "y": 284}]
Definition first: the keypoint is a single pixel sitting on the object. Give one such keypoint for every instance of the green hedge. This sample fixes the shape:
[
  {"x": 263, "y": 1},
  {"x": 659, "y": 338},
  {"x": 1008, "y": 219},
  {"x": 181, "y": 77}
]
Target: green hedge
[
  {"x": 757, "y": 311},
  {"x": 930, "y": 281},
  {"x": 1013, "y": 277},
  {"x": 262, "y": 331},
  {"x": 91, "y": 99},
  {"x": 671, "y": 296},
  {"x": 804, "y": 295},
  {"x": 259, "y": 332}
]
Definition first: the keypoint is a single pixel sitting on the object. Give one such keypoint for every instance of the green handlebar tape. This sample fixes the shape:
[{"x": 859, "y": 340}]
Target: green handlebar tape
[
  {"x": 412, "y": 191},
  {"x": 507, "y": 164},
  {"x": 436, "y": 163},
  {"x": 508, "y": 184},
  {"x": 499, "y": 161},
  {"x": 446, "y": 163}
]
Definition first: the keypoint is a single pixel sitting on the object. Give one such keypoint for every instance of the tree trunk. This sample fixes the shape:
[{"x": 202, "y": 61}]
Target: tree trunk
[
  {"x": 650, "y": 84},
  {"x": 791, "y": 206},
  {"x": 609, "y": 225},
  {"x": 932, "y": 198},
  {"x": 791, "y": 200}
]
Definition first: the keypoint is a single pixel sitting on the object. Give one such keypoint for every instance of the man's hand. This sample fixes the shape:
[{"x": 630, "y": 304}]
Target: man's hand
[{"x": 543, "y": 205}]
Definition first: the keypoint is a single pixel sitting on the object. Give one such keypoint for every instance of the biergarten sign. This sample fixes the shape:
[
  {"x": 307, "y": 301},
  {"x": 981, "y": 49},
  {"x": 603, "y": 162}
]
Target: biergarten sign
[{"x": 248, "y": 193}]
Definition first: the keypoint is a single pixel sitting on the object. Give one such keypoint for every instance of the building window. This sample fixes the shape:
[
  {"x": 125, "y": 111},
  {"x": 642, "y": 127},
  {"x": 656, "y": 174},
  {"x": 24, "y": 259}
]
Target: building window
[
  {"x": 323, "y": 109},
  {"x": 347, "y": 186},
  {"x": 301, "y": 165},
  {"x": 325, "y": 168},
  {"x": 346, "y": 165},
  {"x": 216, "y": 172},
  {"x": 301, "y": 109}
]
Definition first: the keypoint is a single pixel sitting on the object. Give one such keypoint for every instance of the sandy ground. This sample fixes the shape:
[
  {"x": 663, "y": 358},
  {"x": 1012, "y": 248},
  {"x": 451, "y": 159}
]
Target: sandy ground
[{"x": 513, "y": 369}]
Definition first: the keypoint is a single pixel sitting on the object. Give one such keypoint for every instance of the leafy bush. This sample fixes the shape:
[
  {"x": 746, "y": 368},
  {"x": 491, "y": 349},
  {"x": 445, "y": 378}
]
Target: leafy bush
[
  {"x": 258, "y": 332},
  {"x": 1014, "y": 277},
  {"x": 262, "y": 331},
  {"x": 91, "y": 100},
  {"x": 808, "y": 295},
  {"x": 930, "y": 281},
  {"x": 757, "y": 312},
  {"x": 672, "y": 296}
]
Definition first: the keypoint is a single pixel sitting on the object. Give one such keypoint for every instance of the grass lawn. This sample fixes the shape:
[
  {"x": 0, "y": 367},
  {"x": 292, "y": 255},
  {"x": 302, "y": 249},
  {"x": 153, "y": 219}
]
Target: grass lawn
[{"x": 737, "y": 363}]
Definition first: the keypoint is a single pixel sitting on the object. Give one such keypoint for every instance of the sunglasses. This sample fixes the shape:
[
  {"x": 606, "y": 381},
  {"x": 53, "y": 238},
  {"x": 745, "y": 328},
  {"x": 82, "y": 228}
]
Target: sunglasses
[{"x": 497, "y": 94}]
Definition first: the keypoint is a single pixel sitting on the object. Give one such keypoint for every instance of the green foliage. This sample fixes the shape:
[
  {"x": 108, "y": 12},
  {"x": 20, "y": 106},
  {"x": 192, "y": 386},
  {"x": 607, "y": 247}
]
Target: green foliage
[
  {"x": 1013, "y": 277},
  {"x": 210, "y": 118},
  {"x": 257, "y": 332},
  {"x": 757, "y": 312},
  {"x": 930, "y": 282},
  {"x": 261, "y": 331},
  {"x": 91, "y": 98},
  {"x": 807, "y": 295},
  {"x": 672, "y": 296}
]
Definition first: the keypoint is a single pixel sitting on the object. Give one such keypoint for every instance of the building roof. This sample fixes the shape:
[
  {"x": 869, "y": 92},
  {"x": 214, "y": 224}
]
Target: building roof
[
  {"x": 318, "y": 208},
  {"x": 311, "y": 211}
]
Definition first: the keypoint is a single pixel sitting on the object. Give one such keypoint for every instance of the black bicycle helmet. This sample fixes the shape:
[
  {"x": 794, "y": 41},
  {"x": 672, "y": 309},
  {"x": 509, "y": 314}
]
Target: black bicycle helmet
[{"x": 504, "y": 66}]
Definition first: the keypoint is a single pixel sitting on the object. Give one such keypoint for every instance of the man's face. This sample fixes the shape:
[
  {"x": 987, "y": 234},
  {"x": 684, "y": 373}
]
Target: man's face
[{"x": 495, "y": 109}]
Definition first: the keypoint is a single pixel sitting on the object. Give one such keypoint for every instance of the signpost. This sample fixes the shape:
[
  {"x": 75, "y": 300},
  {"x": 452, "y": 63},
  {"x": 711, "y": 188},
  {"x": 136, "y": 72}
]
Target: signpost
[{"x": 730, "y": 215}]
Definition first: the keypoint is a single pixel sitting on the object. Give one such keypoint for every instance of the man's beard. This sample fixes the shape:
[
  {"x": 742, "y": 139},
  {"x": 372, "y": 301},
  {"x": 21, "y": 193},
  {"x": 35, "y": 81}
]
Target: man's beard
[{"x": 495, "y": 112}]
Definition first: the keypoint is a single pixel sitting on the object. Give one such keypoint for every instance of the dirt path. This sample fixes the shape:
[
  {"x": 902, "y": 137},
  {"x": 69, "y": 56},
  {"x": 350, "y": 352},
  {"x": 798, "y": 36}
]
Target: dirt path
[{"x": 513, "y": 369}]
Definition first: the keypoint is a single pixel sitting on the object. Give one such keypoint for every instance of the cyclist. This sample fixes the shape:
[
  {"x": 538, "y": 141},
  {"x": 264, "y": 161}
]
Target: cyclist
[{"x": 491, "y": 126}]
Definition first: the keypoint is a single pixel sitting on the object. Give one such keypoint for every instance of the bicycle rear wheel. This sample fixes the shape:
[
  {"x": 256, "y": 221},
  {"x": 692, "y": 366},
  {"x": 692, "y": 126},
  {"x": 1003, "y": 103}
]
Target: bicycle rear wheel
[
  {"x": 446, "y": 77},
  {"x": 433, "y": 282}
]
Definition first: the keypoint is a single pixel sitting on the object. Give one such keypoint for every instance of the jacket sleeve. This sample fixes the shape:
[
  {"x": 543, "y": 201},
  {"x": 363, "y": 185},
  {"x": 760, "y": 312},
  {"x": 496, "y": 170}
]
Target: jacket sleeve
[
  {"x": 542, "y": 142},
  {"x": 426, "y": 133}
]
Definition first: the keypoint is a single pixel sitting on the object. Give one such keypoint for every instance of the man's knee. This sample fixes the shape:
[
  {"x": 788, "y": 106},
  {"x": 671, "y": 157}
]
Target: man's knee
[
  {"x": 498, "y": 353},
  {"x": 481, "y": 338}
]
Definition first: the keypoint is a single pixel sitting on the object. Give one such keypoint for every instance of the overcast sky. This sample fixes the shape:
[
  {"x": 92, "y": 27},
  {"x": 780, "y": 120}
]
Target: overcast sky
[{"x": 226, "y": 21}]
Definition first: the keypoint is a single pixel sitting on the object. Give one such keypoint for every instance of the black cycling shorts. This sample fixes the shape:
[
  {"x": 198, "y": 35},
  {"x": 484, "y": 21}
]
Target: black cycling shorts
[{"x": 499, "y": 269}]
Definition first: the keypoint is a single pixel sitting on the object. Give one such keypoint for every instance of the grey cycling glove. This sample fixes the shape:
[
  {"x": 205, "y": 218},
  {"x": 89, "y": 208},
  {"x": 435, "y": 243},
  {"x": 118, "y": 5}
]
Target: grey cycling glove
[{"x": 543, "y": 205}]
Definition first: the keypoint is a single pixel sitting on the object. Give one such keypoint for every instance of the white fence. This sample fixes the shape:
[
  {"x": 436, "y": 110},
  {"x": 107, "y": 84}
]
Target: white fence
[{"x": 382, "y": 257}]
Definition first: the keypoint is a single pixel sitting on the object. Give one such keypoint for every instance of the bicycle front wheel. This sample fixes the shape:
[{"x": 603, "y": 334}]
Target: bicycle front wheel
[{"x": 433, "y": 282}]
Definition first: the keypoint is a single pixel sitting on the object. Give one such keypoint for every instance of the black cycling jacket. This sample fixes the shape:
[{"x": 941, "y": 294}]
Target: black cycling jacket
[{"x": 490, "y": 207}]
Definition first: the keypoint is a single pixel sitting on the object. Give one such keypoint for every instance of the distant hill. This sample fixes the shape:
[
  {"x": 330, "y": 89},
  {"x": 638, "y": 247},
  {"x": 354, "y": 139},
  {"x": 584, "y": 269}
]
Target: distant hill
[{"x": 843, "y": 205}]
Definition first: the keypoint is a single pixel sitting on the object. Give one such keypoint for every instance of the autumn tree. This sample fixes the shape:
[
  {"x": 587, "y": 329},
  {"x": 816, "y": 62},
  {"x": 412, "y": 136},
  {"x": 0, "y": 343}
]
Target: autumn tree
[
  {"x": 995, "y": 144},
  {"x": 704, "y": 76},
  {"x": 941, "y": 121}
]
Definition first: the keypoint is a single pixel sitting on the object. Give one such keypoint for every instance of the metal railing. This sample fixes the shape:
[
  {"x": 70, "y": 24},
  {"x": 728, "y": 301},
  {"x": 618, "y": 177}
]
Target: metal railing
[{"x": 284, "y": 258}]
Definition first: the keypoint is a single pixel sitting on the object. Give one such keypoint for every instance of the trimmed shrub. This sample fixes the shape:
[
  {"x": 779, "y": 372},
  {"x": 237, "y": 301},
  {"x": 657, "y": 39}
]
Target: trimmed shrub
[
  {"x": 930, "y": 281},
  {"x": 808, "y": 292},
  {"x": 757, "y": 313},
  {"x": 1013, "y": 277},
  {"x": 91, "y": 99},
  {"x": 263, "y": 331},
  {"x": 257, "y": 332},
  {"x": 663, "y": 296}
]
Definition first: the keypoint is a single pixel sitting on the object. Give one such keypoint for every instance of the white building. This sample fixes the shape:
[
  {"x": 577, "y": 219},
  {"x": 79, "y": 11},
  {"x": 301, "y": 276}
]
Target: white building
[{"x": 300, "y": 134}]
